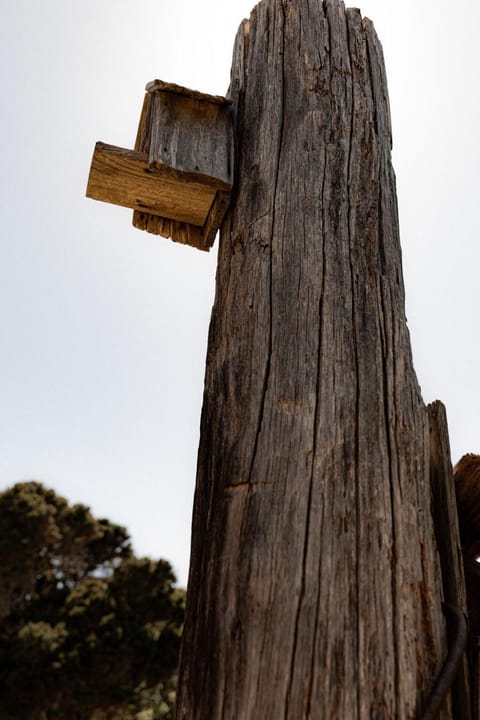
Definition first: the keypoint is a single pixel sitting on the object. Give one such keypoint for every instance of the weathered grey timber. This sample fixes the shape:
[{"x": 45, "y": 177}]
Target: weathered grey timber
[
  {"x": 191, "y": 135},
  {"x": 315, "y": 584}
]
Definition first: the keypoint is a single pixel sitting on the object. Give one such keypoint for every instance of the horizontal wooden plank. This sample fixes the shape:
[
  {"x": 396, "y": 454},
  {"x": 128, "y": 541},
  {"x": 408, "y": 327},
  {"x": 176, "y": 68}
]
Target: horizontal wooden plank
[{"x": 123, "y": 177}]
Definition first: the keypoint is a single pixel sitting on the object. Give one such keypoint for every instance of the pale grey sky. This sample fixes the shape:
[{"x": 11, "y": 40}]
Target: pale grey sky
[{"x": 104, "y": 328}]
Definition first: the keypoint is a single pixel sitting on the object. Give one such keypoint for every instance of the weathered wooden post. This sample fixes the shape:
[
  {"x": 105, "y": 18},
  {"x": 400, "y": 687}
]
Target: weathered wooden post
[
  {"x": 325, "y": 530},
  {"x": 315, "y": 583}
]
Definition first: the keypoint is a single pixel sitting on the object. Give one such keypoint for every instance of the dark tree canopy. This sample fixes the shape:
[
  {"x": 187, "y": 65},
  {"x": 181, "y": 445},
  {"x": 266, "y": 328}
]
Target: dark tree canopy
[
  {"x": 46, "y": 543},
  {"x": 85, "y": 626}
]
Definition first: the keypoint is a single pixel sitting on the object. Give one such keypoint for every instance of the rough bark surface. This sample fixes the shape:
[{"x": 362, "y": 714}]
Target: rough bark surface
[{"x": 314, "y": 588}]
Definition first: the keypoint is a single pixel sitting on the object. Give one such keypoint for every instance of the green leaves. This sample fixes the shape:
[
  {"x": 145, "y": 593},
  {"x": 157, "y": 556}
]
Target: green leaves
[
  {"x": 84, "y": 624},
  {"x": 46, "y": 542}
]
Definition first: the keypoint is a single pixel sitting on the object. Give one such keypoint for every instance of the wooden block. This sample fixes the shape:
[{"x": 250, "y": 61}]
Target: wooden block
[{"x": 123, "y": 177}]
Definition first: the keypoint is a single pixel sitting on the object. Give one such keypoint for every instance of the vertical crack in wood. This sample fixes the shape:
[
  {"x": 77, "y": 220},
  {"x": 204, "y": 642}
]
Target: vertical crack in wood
[
  {"x": 370, "y": 80},
  {"x": 380, "y": 238},
  {"x": 272, "y": 237},
  {"x": 351, "y": 239},
  {"x": 319, "y": 370},
  {"x": 239, "y": 139},
  {"x": 388, "y": 352},
  {"x": 307, "y": 522}
]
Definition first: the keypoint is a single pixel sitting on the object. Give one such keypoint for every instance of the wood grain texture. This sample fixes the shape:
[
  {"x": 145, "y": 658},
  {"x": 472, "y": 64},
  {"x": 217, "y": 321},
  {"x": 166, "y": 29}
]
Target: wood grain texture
[
  {"x": 123, "y": 177},
  {"x": 314, "y": 588},
  {"x": 193, "y": 138},
  {"x": 183, "y": 233}
]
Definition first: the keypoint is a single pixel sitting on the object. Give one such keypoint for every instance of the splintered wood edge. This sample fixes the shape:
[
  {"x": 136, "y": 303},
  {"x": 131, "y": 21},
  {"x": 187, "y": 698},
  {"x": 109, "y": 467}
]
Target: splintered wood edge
[
  {"x": 182, "y": 233},
  {"x": 201, "y": 238},
  {"x": 155, "y": 85}
]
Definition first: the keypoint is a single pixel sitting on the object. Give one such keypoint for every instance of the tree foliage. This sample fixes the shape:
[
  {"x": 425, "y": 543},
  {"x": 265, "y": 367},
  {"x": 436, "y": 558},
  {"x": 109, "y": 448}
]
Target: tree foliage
[{"x": 86, "y": 628}]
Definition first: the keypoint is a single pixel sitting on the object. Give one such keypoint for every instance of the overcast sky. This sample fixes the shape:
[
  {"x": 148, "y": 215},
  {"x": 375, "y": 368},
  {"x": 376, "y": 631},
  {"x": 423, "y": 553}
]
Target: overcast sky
[{"x": 104, "y": 328}]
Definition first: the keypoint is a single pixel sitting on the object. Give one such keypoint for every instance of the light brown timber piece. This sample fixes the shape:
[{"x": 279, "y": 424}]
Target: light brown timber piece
[
  {"x": 123, "y": 177},
  {"x": 179, "y": 232},
  {"x": 447, "y": 534},
  {"x": 201, "y": 238},
  {"x": 314, "y": 588}
]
